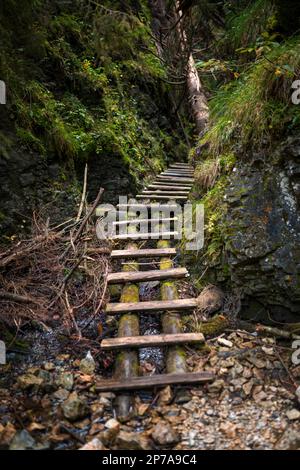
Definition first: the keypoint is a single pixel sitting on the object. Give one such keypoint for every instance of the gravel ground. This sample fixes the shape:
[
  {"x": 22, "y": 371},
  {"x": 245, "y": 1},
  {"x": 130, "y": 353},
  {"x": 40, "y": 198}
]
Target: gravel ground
[{"x": 251, "y": 404}]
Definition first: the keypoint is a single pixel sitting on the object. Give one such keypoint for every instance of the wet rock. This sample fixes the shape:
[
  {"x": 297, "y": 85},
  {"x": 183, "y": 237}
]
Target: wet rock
[
  {"x": 94, "y": 444},
  {"x": 259, "y": 396},
  {"x": 216, "y": 386},
  {"x": 164, "y": 435},
  {"x": 298, "y": 394},
  {"x": 48, "y": 382},
  {"x": 22, "y": 441},
  {"x": 142, "y": 409},
  {"x": 290, "y": 440},
  {"x": 7, "y": 434},
  {"x": 97, "y": 409},
  {"x": 28, "y": 380},
  {"x": 112, "y": 424},
  {"x": 49, "y": 366},
  {"x": 61, "y": 394},
  {"x": 182, "y": 396},
  {"x": 108, "y": 436},
  {"x": 105, "y": 402},
  {"x": 165, "y": 396},
  {"x": 229, "y": 429},
  {"x": 247, "y": 387},
  {"x": 87, "y": 365},
  {"x": 74, "y": 407},
  {"x": 210, "y": 300},
  {"x": 263, "y": 215},
  {"x": 65, "y": 380},
  {"x": 132, "y": 441}
]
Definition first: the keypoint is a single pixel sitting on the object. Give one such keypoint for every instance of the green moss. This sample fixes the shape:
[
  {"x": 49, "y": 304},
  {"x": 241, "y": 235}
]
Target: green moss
[
  {"x": 165, "y": 263},
  {"x": 130, "y": 293}
]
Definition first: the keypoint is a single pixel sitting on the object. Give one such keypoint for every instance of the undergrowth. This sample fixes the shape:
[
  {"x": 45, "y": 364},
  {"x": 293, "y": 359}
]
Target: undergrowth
[
  {"x": 257, "y": 107},
  {"x": 77, "y": 77}
]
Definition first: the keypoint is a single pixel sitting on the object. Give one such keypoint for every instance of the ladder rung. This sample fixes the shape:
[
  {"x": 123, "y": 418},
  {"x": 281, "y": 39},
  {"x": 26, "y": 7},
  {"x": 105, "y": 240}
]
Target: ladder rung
[
  {"x": 162, "y": 198},
  {"x": 166, "y": 187},
  {"x": 125, "y": 342},
  {"x": 143, "y": 253},
  {"x": 138, "y": 221},
  {"x": 151, "y": 306},
  {"x": 173, "y": 192},
  {"x": 145, "y": 236},
  {"x": 181, "y": 165},
  {"x": 176, "y": 179},
  {"x": 143, "y": 276},
  {"x": 149, "y": 381},
  {"x": 177, "y": 173},
  {"x": 176, "y": 184},
  {"x": 141, "y": 205}
]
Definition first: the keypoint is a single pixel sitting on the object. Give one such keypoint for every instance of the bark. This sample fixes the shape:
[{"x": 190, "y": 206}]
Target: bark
[
  {"x": 127, "y": 363},
  {"x": 175, "y": 51},
  {"x": 171, "y": 322},
  {"x": 196, "y": 95}
]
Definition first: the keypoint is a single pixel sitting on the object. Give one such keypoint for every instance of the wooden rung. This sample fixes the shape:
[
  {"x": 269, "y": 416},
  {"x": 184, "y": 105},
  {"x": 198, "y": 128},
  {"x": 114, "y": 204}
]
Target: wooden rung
[
  {"x": 143, "y": 276},
  {"x": 145, "y": 236},
  {"x": 141, "y": 205},
  {"x": 161, "y": 198},
  {"x": 179, "y": 168},
  {"x": 138, "y": 221},
  {"x": 169, "y": 192},
  {"x": 181, "y": 165},
  {"x": 143, "y": 253},
  {"x": 151, "y": 306},
  {"x": 125, "y": 342},
  {"x": 166, "y": 187},
  {"x": 175, "y": 179},
  {"x": 150, "y": 381},
  {"x": 177, "y": 173}
]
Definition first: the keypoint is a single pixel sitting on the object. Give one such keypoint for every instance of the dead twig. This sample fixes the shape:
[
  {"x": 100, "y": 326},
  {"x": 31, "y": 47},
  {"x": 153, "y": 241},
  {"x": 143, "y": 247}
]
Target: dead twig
[{"x": 83, "y": 194}]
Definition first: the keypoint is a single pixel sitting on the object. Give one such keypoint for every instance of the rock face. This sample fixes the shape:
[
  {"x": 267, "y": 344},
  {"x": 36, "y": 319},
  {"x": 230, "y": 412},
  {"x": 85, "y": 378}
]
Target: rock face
[
  {"x": 27, "y": 180},
  {"x": 262, "y": 226}
]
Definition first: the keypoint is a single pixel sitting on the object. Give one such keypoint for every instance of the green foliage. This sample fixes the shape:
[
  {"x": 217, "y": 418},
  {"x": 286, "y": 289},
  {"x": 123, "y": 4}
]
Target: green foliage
[
  {"x": 257, "y": 107},
  {"x": 253, "y": 23},
  {"x": 85, "y": 87}
]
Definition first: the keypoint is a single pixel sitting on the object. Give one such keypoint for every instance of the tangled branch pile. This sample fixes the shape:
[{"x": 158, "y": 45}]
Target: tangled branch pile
[{"x": 58, "y": 275}]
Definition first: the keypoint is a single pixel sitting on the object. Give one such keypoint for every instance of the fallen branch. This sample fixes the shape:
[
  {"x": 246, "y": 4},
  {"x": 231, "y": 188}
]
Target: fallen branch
[
  {"x": 84, "y": 222},
  {"x": 17, "y": 298},
  {"x": 83, "y": 195}
]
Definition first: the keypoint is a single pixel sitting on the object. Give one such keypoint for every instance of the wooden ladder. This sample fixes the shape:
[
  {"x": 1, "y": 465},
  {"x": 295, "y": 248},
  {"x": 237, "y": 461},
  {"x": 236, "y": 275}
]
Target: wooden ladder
[{"x": 173, "y": 185}]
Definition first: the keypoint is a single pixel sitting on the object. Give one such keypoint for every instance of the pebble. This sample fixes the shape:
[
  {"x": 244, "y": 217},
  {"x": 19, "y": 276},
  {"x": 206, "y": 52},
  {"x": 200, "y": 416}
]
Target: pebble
[
  {"x": 132, "y": 441},
  {"x": 65, "y": 380},
  {"x": 293, "y": 414},
  {"x": 22, "y": 441},
  {"x": 112, "y": 424},
  {"x": 29, "y": 380},
  {"x": 74, "y": 407},
  {"x": 88, "y": 364},
  {"x": 164, "y": 435},
  {"x": 225, "y": 342},
  {"x": 94, "y": 444}
]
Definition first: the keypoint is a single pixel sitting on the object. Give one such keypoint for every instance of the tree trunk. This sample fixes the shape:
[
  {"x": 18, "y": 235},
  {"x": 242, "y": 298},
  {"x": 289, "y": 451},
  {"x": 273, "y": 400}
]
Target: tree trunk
[
  {"x": 197, "y": 98},
  {"x": 175, "y": 51}
]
